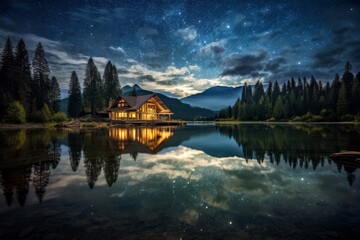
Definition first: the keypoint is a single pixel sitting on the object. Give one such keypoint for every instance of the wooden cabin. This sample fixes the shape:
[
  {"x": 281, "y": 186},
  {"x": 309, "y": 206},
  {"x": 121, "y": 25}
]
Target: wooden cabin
[{"x": 146, "y": 107}]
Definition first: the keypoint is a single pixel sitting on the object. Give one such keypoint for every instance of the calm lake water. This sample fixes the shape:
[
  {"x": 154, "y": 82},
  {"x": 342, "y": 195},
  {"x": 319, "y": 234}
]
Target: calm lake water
[{"x": 250, "y": 181}]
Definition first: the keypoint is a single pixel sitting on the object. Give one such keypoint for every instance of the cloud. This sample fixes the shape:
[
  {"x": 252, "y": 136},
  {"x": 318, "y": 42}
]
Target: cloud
[
  {"x": 187, "y": 34},
  {"x": 145, "y": 32},
  {"x": 173, "y": 81},
  {"x": 266, "y": 36},
  {"x": 342, "y": 47},
  {"x": 244, "y": 65},
  {"x": 118, "y": 49},
  {"x": 274, "y": 64},
  {"x": 7, "y": 22},
  {"x": 215, "y": 48},
  {"x": 98, "y": 15}
]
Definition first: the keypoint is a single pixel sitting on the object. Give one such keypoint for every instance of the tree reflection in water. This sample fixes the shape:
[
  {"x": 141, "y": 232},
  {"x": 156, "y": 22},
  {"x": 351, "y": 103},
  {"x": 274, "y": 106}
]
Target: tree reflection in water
[{"x": 32, "y": 155}]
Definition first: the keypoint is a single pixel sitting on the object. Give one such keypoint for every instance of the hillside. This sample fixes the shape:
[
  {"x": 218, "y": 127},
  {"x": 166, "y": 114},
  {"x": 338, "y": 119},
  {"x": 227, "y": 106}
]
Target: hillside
[{"x": 214, "y": 98}]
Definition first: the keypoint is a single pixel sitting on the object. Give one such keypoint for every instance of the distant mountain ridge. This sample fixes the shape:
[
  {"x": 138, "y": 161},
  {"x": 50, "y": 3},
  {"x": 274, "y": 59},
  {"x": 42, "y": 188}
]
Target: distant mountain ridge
[{"x": 214, "y": 98}]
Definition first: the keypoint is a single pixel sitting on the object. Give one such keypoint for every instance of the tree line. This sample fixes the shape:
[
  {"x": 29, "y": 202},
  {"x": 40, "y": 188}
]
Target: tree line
[
  {"x": 25, "y": 93},
  {"x": 97, "y": 90},
  {"x": 299, "y": 101},
  {"x": 29, "y": 93}
]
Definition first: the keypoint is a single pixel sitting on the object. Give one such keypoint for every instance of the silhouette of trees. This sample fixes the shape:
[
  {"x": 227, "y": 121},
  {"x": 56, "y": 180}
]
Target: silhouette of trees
[
  {"x": 93, "y": 89},
  {"x": 312, "y": 101},
  {"x": 111, "y": 82},
  {"x": 74, "y": 107},
  {"x": 7, "y": 78},
  {"x": 54, "y": 95}
]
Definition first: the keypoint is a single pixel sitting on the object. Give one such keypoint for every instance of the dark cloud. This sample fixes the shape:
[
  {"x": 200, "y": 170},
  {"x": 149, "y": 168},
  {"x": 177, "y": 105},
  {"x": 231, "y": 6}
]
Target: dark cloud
[
  {"x": 244, "y": 65},
  {"x": 274, "y": 64},
  {"x": 122, "y": 70},
  {"x": 98, "y": 15},
  {"x": 344, "y": 46},
  {"x": 215, "y": 48},
  {"x": 148, "y": 78},
  {"x": 328, "y": 57}
]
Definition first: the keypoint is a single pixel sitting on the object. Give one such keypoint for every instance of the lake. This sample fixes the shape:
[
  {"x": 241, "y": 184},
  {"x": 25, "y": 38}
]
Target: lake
[{"x": 246, "y": 181}]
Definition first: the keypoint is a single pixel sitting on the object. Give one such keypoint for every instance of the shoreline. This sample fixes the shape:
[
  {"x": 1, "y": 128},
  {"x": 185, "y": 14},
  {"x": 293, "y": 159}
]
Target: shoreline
[
  {"x": 96, "y": 125},
  {"x": 287, "y": 123}
]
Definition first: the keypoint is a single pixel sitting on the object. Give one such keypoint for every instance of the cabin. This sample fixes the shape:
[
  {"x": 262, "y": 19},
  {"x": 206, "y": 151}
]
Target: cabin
[{"x": 147, "y": 107}]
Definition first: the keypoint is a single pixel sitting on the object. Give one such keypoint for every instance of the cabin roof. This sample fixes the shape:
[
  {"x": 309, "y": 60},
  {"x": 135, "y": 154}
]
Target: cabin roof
[{"x": 136, "y": 102}]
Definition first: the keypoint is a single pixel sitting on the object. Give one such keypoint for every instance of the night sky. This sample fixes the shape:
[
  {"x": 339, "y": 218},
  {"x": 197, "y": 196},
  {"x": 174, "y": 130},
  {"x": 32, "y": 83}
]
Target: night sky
[{"x": 184, "y": 47}]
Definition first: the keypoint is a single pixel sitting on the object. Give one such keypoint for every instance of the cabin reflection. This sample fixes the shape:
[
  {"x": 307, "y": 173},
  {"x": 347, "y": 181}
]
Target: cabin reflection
[{"x": 140, "y": 140}]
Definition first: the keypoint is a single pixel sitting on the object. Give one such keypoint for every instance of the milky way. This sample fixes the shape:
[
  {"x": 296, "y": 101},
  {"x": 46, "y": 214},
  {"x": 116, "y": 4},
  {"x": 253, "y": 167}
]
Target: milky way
[{"x": 183, "y": 47}]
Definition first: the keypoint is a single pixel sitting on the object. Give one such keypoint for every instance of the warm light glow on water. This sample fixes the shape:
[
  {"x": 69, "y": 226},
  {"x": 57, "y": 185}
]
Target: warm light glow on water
[{"x": 245, "y": 181}]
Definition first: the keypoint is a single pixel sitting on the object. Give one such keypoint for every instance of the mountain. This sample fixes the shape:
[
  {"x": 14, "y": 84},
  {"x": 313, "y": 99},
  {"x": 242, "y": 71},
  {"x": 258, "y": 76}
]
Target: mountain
[
  {"x": 181, "y": 110},
  {"x": 215, "y": 98}
]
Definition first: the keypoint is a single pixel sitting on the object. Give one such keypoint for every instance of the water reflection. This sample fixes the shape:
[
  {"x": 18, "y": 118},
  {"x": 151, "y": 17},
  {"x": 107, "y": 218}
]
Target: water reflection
[
  {"x": 29, "y": 157},
  {"x": 300, "y": 146},
  {"x": 144, "y": 140},
  {"x": 237, "y": 181}
]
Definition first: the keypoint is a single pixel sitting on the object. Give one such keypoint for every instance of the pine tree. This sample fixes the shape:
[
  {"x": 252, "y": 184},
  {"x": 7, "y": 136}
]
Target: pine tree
[
  {"x": 108, "y": 79},
  {"x": 342, "y": 104},
  {"x": 74, "y": 104},
  {"x": 41, "y": 82},
  {"x": 91, "y": 88},
  {"x": 314, "y": 96},
  {"x": 276, "y": 92},
  {"x": 23, "y": 69},
  {"x": 54, "y": 95},
  {"x": 7, "y": 77},
  {"x": 279, "y": 108},
  {"x": 334, "y": 93},
  {"x": 348, "y": 79},
  {"x": 355, "y": 103},
  {"x": 116, "y": 83}
]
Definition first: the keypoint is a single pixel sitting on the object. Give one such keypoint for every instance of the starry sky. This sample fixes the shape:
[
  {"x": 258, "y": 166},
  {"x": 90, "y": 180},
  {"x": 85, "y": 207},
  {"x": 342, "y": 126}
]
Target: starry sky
[{"x": 184, "y": 47}]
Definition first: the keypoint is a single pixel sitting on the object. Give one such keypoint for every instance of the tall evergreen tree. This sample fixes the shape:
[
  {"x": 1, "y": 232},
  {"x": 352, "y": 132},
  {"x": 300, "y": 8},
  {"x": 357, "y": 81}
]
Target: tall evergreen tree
[
  {"x": 276, "y": 92},
  {"x": 116, "y": 83},
  {"x": 342, "y": 104},
  {"x": 54, "y": 95},
  {"x": 7, "y": 77},
  {"x": 334, "y": 93},
  {"x": 41, "y": 81},
  {"x": 23, "y": 70},
  {"x": 74, "y": 104},
  {"x": 108, "y": 79},
  {"x": 279, "y": 108},
  {"x": 111, "y": 82},
  {"x": 355, "y": 102},
  {"x": 93, "y": 88}
]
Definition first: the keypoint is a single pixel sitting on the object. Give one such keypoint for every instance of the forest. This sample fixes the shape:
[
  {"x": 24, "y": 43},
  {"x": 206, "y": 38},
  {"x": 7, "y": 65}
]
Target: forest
[
  {"x": 312, "y": 101},
  {"x": 29, "y": 94}
]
